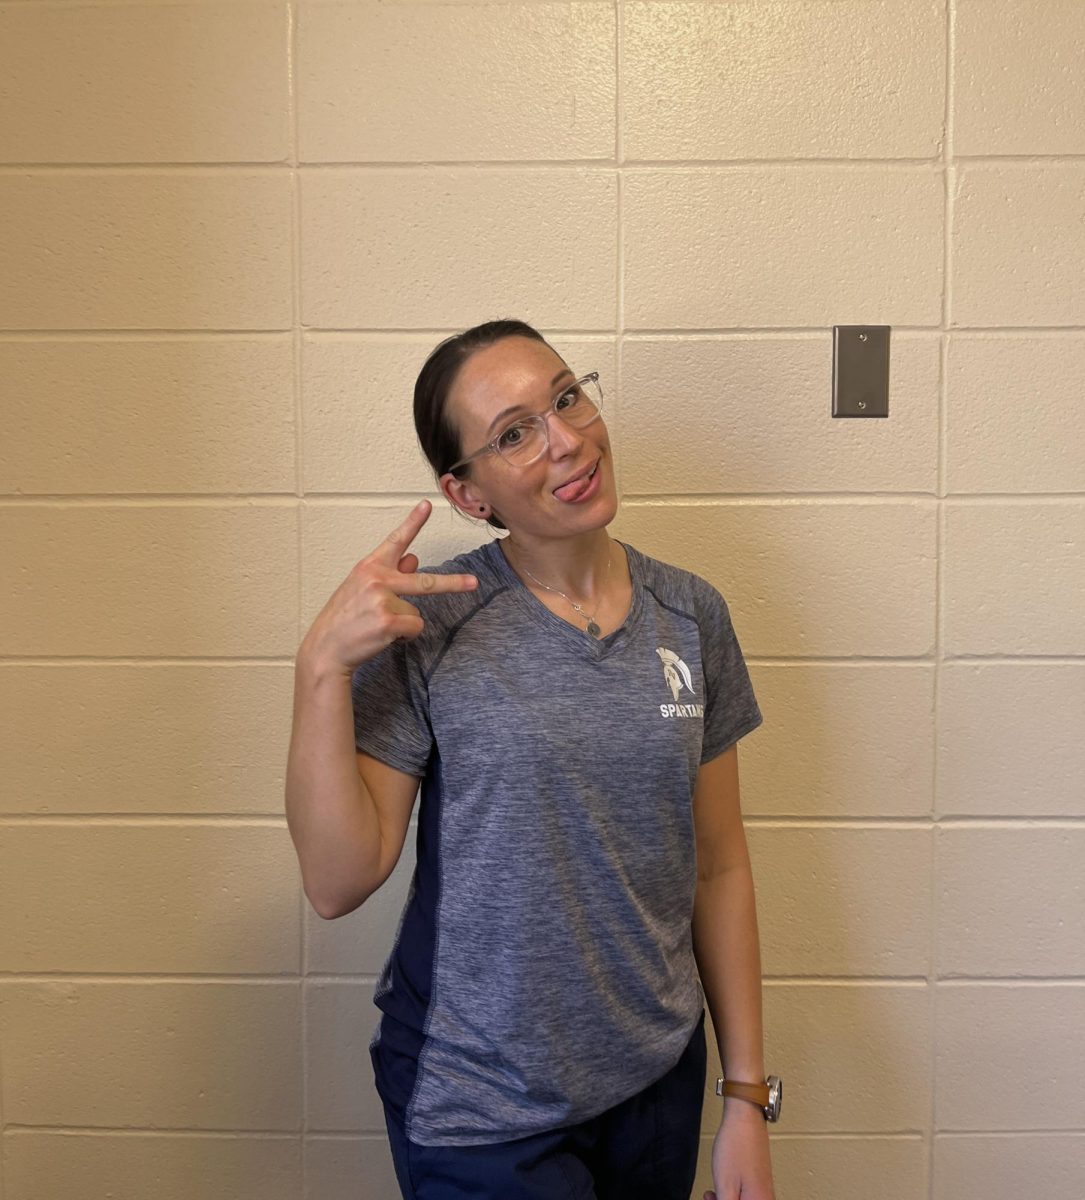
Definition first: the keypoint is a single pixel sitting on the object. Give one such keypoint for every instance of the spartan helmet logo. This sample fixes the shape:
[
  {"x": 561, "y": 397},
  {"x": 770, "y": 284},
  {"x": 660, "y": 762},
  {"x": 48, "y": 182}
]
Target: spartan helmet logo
[{"x": 675, "y": 671}]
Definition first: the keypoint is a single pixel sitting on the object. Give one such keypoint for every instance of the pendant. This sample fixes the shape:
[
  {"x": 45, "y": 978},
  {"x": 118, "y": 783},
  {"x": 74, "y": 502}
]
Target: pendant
[{"x": 593, "y": 629}]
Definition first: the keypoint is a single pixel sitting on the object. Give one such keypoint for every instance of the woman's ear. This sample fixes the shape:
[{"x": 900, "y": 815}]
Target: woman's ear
[{"x": 462, "y": 494}]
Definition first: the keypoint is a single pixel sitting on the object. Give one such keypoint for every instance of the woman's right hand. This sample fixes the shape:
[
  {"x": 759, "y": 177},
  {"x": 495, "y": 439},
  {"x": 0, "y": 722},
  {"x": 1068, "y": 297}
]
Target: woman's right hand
[{"x": 365, "y": 613}]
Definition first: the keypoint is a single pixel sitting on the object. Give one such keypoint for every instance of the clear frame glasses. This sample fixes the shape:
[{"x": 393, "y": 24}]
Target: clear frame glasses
[{"x": 528, "y": 438}]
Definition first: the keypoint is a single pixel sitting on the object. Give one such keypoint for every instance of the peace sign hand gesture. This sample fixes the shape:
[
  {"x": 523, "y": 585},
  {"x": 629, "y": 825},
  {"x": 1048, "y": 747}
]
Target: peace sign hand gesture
[{"x": 366, "y": 613}]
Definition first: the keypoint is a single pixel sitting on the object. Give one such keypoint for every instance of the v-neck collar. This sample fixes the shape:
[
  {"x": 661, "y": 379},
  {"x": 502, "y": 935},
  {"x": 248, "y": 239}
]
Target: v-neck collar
[{"x": 593, "y": 648}]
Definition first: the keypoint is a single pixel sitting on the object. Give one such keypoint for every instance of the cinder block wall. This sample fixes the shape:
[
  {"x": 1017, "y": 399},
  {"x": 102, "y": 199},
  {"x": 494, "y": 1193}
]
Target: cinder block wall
[{"x": 232, "y": 231}]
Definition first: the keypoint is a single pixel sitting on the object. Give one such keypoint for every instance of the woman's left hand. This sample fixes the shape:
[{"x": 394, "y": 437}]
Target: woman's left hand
[{"x": 741, "y": 1168}]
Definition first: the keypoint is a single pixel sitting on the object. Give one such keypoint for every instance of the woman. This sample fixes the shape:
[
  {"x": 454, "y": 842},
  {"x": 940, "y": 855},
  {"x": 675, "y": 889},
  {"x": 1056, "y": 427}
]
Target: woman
[{"x": 571, "y": 708}]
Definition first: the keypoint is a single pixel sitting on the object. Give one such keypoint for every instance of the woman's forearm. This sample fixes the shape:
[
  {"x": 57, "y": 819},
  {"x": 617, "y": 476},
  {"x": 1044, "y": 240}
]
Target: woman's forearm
[
  {"x": 728, "y": 953},
  {"x": 329, "y": 812}
]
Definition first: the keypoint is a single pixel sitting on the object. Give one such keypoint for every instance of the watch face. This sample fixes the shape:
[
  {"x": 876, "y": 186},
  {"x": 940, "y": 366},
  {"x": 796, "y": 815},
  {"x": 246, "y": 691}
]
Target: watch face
[{"x": 776, "y": 1094}]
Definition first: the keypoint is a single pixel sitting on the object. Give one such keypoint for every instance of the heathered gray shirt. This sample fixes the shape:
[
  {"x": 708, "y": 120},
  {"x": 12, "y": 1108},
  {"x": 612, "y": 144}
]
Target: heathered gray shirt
[{"x": 543, "y": 967}]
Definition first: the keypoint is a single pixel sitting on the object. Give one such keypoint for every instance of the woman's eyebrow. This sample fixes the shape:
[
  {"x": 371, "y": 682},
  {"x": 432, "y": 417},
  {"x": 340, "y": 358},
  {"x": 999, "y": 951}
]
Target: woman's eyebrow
[{"x": 508, "y": 412}]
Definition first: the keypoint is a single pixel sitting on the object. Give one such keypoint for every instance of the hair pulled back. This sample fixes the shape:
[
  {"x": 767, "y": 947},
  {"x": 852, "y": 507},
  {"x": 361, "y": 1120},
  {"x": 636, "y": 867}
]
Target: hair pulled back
[{"x": 437, "y": 435}]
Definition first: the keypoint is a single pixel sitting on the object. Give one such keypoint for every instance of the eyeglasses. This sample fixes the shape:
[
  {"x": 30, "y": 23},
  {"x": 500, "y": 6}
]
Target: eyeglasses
[{"x": 528, "y": 438}]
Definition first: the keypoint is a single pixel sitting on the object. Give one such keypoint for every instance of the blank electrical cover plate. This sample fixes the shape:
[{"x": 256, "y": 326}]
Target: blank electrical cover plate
[{"x": 860, "y": 371}]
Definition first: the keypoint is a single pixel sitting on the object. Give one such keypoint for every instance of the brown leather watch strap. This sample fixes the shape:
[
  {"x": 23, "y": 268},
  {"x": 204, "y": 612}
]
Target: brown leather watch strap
[{"x": 755, "y": 1093}]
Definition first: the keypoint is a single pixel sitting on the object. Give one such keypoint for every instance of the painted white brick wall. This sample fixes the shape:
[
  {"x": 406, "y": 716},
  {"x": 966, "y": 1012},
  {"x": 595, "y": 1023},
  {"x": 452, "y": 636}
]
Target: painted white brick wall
[{"x": 233, "y": 230}]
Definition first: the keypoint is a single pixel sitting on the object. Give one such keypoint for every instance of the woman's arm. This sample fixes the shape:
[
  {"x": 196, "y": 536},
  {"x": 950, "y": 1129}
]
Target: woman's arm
[
  {"x": 727, "y": 950},
  {"x": 347, "y": 813}
]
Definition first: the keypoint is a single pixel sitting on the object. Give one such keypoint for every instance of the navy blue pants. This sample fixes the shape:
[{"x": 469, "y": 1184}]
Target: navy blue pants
[{"x": 642, "y": 1149}]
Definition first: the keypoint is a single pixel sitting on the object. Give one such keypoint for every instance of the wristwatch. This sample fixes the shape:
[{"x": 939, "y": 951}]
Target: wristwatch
[{"x": 766, "y": 1096}]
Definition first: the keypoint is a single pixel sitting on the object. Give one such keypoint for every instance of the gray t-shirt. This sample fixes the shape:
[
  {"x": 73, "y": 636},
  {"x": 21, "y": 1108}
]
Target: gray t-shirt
[{"x": 543, "y": 967}]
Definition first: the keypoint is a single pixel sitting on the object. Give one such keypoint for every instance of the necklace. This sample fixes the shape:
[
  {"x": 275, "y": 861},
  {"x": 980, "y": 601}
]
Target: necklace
[{"x": 593, "y": 629}]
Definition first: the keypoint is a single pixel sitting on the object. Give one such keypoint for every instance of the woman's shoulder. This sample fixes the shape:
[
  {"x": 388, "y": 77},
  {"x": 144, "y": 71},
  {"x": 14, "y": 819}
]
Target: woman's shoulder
[
  {"x": 445, "y": 609},
  {"x": 480, "y": 562},
  {"x": 470, "y": 561},
  {"x": 675, "y": 585}
]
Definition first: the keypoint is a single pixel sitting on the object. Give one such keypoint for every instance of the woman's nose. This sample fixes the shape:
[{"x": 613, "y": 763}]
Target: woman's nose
[{"x": 564, "y": 439}]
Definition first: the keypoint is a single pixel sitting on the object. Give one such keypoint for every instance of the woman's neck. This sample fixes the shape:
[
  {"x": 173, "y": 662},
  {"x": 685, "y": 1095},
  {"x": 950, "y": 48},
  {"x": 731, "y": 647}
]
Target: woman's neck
[{"x": 577, "y": 565}]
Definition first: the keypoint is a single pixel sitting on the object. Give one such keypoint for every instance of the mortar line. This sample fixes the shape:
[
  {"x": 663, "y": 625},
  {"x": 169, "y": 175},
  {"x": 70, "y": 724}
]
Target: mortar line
[
  {"x": 375, "y": 499},
  {"x": 619, "y": 241},
  {"x": 684, "y": 333},
  {"x": 521, "y": 165},
  {"x": 299, "y": 488},
  {"x": 3, "y": 1126},
  {"x": 370, "y": 1135},
  {"x": 765, "y": 820},
  {"x": 423, "y": 333},
  {"x": 137, "y": 820},
  {"x": 775, "y": 660},
  {"x": 946, "y": 158},
  {"x": 177, "y": 1132}
]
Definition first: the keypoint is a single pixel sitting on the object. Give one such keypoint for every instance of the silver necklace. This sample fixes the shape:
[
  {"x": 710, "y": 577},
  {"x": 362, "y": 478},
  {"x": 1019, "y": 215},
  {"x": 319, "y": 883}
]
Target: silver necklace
[{"x": 593, "y": 628}]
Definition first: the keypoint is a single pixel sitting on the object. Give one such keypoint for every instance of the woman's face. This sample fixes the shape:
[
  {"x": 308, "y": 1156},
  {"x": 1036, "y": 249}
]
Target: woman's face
[{"x": 524, "y": 375}]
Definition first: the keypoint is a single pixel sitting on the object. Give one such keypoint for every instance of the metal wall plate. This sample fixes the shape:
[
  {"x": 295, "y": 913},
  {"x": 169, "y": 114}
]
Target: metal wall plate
[{"x": 860, "y": 370}]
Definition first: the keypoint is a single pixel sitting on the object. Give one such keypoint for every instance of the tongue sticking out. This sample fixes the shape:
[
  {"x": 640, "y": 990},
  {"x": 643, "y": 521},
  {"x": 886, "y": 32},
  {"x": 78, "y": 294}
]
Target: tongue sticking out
[{"x": 574, "y": 490}]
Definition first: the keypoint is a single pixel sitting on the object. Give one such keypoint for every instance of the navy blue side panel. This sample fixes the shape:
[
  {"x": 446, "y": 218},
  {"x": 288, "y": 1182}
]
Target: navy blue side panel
[{"x": 406, "y": 995}]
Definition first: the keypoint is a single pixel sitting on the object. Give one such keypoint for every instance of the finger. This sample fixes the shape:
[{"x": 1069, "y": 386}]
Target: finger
[
  {"x": 408, "y": 564},
  {"x": 394, "y": 546},
  {"x": 402, "y": 620},
  {"x": 424, "y": 584},
  {"x": 405, "y": 628}
]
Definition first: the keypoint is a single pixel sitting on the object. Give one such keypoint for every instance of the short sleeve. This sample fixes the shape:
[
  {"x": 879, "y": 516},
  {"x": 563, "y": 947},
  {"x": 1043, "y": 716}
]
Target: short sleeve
[
  {"x": 731, "y": 709},
  {"x": 391, "y": 717}
]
